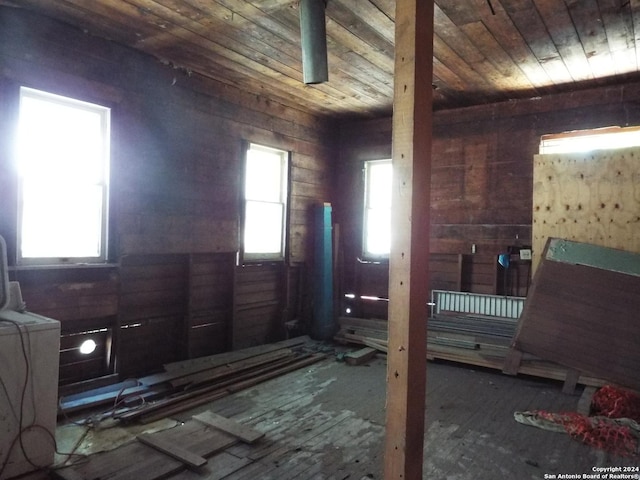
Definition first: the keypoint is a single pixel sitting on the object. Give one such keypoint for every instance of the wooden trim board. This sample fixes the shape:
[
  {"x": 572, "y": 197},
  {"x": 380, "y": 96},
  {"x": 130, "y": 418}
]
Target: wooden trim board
[
  {"x": 244, "y": 433},
  {"x": 171, "y": 449}
]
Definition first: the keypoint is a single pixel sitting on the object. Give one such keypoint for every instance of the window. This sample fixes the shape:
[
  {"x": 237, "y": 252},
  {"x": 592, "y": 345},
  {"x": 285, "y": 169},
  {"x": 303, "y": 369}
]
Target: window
[
  {"x": 63, "y": 168},
  {"x": 587, "y": 140},
  {"x": 377, "y": 208},
  {"x": 265, "y": 202}
]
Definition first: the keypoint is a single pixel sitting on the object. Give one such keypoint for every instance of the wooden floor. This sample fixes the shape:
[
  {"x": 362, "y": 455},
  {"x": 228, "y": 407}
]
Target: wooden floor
[{"x": 327, "y": 422}]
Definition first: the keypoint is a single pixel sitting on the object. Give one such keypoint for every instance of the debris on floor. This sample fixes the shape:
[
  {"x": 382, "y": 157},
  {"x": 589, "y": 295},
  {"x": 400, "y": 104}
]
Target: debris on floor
[
  {"x": 613, "y": 424},
  {"x": 187, "y": 384}
]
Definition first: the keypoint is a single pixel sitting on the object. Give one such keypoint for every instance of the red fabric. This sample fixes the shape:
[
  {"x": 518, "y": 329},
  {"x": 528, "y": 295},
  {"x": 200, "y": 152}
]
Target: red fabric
[
  {"x": 614, "y": 402},
  {"x": 607, "y": 402}
]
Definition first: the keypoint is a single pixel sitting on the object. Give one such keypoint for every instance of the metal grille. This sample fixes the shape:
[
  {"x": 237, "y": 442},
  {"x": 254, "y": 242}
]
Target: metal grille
[{"x": 476, "y": 303}]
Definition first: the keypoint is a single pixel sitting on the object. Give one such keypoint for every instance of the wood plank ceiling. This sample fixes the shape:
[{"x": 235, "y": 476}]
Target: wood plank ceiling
[{"x": 484, "y": 50}]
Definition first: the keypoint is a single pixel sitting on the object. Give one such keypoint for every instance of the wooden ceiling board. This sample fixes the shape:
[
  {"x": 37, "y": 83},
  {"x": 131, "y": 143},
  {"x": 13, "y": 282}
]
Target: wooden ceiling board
[
  {"x": 618, "y": 25},
  {"x": 634, "y": 5},
  {"x": 565, "y": 37},
  {"x": 484, "y": 51},
  {"x": 531, "y": 26},
  {"x": 507, "y": 35},
  {"x": 586, "y": 17}
]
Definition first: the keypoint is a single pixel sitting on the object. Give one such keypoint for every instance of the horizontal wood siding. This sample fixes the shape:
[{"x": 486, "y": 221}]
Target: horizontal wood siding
[
  {"x": 258, "y": 312},
  {"x": 175, "y": 178},
  {"x": 86, "y": 302},
  {"x": 210, "y": 303},
  {"x": 482, "y": 180},
  {"x": 445, "y": 271},
  {"x": 479, "y": 273},
  {"x": 153, "y": 311}
]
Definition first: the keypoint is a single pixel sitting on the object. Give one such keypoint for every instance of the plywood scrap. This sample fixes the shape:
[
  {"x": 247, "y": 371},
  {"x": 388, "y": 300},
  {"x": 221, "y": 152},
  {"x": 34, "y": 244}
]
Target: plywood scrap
[
  {"x": 169, "y": 448},
  {"x": 243, "y": 432},
  {"x": 358, "y": 357}
]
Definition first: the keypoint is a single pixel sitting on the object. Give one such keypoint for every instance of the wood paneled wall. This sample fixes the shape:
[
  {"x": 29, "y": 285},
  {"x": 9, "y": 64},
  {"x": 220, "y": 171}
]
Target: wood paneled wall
[
  {"x": 482, "y": 182},
  {"x": 175, "y": 183}
]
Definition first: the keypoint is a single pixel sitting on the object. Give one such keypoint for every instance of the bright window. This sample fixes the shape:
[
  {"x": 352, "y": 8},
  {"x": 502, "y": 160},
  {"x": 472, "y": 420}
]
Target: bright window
[
  {"x": 63, "y": 167},
  {"x": 265, "y": 202},
  {"x": 377, "y": 208},
  {"x": 588, "y": 140}
]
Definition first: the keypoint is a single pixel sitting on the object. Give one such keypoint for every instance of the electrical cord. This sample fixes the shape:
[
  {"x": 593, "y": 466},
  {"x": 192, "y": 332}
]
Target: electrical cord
[
  {"x": 19, "y": 438},
  {"x": 27, "y": 374}
]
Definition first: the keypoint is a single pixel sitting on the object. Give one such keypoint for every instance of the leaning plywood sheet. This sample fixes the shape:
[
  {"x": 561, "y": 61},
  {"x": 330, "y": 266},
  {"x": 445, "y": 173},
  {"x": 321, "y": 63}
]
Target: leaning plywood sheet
[{"x": 582, "y": 311}]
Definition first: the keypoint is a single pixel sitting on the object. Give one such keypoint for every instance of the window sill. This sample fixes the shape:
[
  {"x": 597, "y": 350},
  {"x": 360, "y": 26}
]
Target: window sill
[{"x": 62, "y": 266}]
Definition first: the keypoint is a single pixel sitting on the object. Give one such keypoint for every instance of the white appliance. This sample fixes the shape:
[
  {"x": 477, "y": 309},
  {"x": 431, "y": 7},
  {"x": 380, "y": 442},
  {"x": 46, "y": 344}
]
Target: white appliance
[{"x": 29, "y": 358}]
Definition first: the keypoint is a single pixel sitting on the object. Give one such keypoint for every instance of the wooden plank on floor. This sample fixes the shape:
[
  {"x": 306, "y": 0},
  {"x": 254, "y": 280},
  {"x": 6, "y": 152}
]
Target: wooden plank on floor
[
  {"x": 141, "y": 462},
  {"x": 244, "y": 433},
  {"x": 203, "y": 363},
  {"x": 361, "y": 356},
  {"x": 118, "y": 465},
  {"x": 237, "y": 386},
  {"x": 173, "y": 450},
  {"x": 219, "y": 466}
]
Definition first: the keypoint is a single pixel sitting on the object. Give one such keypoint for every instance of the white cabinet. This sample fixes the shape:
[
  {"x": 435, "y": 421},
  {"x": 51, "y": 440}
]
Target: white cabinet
[{"x": 29, "y": 358}]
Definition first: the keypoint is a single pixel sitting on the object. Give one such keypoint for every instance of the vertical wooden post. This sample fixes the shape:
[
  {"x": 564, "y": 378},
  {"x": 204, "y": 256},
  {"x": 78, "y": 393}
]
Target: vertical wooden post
[{"x": 408, "y": 262}]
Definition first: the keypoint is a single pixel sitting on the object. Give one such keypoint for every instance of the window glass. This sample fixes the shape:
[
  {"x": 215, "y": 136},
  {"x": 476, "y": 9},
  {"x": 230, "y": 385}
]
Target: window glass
[
  {"x": 265, "y": 200},
  {"x": 63, "y": 157},
  {"x": 588, "y": 140},
  {"x": 377, "y": 208}
]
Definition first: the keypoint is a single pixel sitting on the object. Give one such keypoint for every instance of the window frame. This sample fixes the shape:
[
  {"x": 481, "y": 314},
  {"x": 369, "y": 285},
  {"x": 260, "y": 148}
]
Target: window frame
[
  {"x": 104, "y": 113},
  {"x": 285, "y": 172},
  {"x": 566, "y": 142},
  {"x": 366, "y": 255}
]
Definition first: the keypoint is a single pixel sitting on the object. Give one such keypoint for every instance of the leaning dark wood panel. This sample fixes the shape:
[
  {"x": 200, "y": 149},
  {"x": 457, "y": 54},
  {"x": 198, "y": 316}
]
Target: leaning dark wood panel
[{"x": 585, "y": 316}]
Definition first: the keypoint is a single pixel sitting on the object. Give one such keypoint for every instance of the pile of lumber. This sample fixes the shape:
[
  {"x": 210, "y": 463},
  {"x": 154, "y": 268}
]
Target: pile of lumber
[
  {"x": 449, "y": 337},
  {"x": 190, "y": 383},
  {"x": 477, "y": 340}
]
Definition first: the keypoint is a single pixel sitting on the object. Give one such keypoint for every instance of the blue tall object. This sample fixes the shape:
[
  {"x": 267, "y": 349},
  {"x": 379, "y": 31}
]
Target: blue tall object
[{"x": 323, "y": 326}]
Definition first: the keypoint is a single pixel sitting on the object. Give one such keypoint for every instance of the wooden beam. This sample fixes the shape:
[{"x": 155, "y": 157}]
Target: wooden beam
[{"x": 408, "y": 261}]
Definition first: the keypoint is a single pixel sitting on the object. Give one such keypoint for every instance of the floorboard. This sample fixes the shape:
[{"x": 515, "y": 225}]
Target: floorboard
[{"x": 326, "y": 421}]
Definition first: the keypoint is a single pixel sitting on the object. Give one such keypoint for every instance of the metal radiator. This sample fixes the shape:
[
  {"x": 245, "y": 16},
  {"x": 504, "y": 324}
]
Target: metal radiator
[{"x": 476, "y": 304}]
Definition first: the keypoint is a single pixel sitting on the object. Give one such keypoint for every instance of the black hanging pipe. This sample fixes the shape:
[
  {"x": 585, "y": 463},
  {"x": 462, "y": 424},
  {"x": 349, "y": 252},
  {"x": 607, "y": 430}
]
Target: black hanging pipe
[{"x": 314, "y": 41}]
